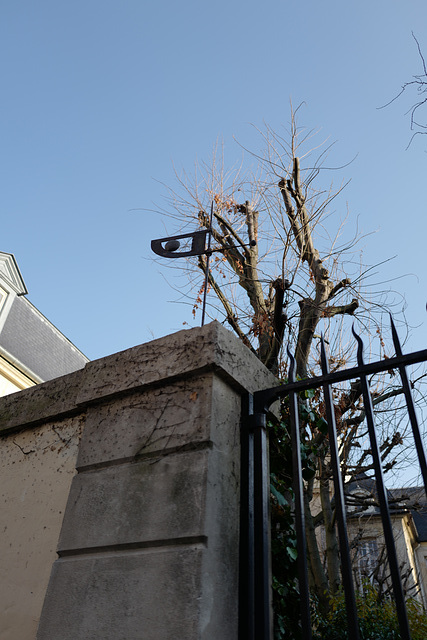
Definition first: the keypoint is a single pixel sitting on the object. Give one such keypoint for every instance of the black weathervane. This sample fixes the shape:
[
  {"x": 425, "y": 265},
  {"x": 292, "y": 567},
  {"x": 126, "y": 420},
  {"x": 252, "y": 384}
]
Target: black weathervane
[{"x": 200, "y": 245}]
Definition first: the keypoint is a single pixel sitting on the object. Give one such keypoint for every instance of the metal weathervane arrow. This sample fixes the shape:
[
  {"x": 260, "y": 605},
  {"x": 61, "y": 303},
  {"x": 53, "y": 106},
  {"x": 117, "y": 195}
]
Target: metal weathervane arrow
[
  {"x": 201, "y": 242},
  {"x": 168, "y": 248}
]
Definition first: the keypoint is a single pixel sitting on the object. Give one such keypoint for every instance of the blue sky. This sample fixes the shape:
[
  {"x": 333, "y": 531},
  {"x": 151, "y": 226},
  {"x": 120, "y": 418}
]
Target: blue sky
[{"x": 101, "y": 99}]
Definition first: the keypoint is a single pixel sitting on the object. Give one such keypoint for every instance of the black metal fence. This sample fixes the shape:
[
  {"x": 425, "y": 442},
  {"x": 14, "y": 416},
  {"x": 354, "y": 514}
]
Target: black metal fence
[{"x": 255, "y": 597}]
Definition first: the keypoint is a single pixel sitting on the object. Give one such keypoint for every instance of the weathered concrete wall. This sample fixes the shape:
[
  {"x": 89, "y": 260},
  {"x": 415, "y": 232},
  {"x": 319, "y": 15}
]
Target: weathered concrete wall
[
  {"x": 36, "y": 469},
  {"x": 149, "y": 541}
]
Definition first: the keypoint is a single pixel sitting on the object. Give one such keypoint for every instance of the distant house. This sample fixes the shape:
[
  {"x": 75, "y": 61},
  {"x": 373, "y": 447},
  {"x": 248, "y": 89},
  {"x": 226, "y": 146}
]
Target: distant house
[
  {"x": 32, "y": 349},
  {"x": 408, "y": 512}
]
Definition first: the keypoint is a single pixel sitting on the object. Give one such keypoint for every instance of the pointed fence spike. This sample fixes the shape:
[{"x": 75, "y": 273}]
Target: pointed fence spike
[
  {"x": 396, "y": 341},
  {"x": 323, "y": 356},
  {"x": 291, "y": 365},
  {"x": 359, "y": 346}
]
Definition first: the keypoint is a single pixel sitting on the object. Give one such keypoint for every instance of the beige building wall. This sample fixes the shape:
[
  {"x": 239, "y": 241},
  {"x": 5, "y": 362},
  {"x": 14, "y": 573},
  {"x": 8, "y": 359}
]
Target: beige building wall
[
  {"x": 11, "y": 379},
  {"x": 406, "y": 543},
  {"x": 421, "y": 564},
  {"x": 368, "y": 527}
]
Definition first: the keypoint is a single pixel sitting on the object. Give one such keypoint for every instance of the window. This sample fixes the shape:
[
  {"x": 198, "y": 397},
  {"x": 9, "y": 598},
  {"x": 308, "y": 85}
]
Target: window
[{"x": 367, "y": 559}]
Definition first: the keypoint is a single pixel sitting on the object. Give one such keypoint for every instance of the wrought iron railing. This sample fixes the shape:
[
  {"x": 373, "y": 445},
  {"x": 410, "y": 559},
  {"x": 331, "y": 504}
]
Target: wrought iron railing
[{"x": 255, "y": 593}]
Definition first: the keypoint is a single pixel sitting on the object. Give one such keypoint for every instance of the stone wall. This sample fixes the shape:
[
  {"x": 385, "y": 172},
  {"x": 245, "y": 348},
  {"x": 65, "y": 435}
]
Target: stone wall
[
  {"x": 149, "y": 544},
  {"x": 36, "y": 469}
]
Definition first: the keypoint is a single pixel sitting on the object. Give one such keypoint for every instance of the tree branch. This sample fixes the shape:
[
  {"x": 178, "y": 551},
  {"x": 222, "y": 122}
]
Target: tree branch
[
  {"x": 348, "y": 309},
  {"x": 231, "y": 318}
]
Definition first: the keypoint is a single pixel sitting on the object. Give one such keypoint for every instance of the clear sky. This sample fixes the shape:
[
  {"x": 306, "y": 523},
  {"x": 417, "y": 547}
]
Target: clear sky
[{"x": 100, "y": 99}]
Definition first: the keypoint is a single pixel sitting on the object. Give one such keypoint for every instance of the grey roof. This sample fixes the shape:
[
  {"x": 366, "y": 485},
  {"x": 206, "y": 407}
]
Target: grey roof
[
  {"x": 35, "y": 343},
  {"x": 28, "y": 340},
  {"x": 404, "y": 500},
  {"x": 412, "y": 496}
]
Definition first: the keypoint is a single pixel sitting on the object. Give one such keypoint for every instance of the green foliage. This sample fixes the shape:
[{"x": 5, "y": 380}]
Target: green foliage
[
  {"x": 283, "y": 542},
  {"x": 286, "y": 597},
  {"x": 377, "y": 618}
]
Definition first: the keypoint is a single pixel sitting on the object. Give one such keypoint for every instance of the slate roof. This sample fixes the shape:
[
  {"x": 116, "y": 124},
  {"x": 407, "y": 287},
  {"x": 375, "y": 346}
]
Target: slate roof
[
  {"x": 33, "y": 341},
  {"x": 28, "y": 340},
  {"x": 401, "y": 500}
]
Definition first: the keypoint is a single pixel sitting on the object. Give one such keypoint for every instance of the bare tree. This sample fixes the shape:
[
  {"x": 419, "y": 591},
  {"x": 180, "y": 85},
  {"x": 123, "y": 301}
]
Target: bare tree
[
  {"x": 417, "y": 86},
  {"x": 280, "y": 273}
]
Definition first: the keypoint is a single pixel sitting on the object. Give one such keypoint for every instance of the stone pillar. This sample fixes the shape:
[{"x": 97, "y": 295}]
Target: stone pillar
[{"x": 149, "y": 546}]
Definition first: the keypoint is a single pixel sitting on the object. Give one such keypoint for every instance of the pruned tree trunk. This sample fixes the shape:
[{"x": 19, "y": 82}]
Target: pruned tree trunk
[
  {"x": 332, "y": 548},
  {"x": 312, "y": 308},
  {"x": 317, "y": 576}
]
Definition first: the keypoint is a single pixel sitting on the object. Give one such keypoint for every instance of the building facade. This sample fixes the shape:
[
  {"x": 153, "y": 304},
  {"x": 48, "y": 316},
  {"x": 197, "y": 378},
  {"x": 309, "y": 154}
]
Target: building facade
[
  {"x": 32, "y": 349},
  {"x": 408, "y": 513}
]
